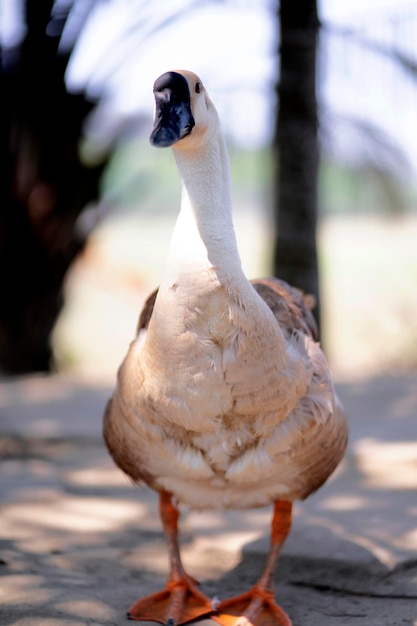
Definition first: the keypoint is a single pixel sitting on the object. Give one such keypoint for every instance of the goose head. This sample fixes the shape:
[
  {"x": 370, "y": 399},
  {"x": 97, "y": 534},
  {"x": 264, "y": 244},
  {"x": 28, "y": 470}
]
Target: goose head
[{"x": 183, "y": 110}]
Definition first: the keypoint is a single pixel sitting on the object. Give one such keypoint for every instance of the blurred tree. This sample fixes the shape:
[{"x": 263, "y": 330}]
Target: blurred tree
[
  {"x": 295, "y": 149},
  {"x": 43, "y": 189}
]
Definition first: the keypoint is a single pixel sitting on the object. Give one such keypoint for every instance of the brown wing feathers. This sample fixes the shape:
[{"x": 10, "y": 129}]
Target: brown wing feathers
[{"x": 291, "y": 307}]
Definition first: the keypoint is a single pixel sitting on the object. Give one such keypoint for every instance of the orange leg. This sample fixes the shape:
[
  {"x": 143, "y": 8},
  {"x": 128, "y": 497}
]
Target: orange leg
[
  {"x": 180, "y": 601},
  {"x": 257, "y": 606}
]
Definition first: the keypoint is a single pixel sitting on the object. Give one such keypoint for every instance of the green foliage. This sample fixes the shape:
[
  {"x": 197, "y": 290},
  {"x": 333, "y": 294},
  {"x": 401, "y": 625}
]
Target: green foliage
[
  {"x": 364, "y": 190},
  {"x": 133, "y": 182},
  {"x": 133, "y": 179}
]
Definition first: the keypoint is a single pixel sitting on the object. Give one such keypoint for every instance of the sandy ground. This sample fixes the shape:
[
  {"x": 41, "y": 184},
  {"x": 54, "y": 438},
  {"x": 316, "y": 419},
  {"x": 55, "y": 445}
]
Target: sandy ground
[{"x": 79, "y": 543}]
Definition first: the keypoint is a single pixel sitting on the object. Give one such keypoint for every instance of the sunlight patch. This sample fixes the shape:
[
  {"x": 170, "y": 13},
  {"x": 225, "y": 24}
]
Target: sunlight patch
[
  {"x": 93, "y": 609},
  {"x": 108, "y": 476},
  {"x": 388, "y": 465},
  {"x": 345, "y": 503},
  {"x": 72, "y": 514},
  {"x": 22, "y": 589}
]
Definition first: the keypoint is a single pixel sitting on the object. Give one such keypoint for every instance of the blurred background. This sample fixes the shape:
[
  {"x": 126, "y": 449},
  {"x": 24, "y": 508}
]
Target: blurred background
[{"x": 318, "y": 102}]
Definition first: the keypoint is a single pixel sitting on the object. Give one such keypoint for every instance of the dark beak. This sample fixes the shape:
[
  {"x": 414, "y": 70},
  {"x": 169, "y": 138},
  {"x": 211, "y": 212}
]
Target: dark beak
[{"x": 173, "y": 117}]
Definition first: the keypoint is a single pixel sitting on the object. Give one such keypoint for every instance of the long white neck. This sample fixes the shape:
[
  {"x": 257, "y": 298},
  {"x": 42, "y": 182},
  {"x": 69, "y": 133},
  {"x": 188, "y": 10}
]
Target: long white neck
[
  {"x": 204, "y": 236},
  {"x": 203, "y": 266}
]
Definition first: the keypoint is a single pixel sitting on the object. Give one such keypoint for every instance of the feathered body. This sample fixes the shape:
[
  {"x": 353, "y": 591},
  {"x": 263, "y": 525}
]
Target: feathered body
[{"x": 224, "y": 399}]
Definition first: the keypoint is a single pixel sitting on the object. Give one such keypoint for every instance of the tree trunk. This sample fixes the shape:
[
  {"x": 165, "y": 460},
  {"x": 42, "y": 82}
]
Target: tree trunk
[
  {"x": 43, "y": 190},
  {"x": 295, "y": 149}
]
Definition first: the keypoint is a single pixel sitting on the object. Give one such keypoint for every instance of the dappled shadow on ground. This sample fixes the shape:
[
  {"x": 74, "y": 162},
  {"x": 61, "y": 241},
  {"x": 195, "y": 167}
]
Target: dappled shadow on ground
[{"x": 80, "y": 543}]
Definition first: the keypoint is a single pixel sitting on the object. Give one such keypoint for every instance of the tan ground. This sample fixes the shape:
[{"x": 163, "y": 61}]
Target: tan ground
[{"x": 79, "y": 543}]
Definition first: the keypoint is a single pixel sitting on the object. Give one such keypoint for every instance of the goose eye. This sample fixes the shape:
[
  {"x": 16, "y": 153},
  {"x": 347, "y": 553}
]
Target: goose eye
[{"x": 197, "y": 87}]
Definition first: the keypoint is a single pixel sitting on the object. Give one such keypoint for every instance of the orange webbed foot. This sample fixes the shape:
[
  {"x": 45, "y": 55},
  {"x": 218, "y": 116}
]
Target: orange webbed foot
[
  {"x": 256, "y": 607},
  {"x": 178, "y": 603}
]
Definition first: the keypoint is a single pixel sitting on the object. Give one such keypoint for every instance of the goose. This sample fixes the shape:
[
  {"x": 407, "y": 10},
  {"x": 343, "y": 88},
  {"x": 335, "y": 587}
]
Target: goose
[{"x": 224, "y": 399}]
